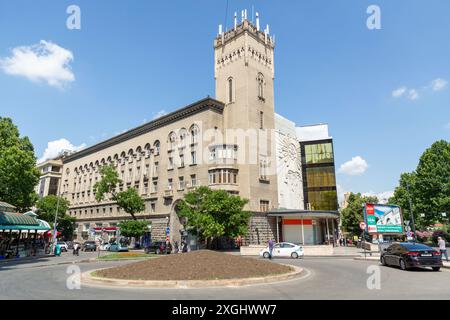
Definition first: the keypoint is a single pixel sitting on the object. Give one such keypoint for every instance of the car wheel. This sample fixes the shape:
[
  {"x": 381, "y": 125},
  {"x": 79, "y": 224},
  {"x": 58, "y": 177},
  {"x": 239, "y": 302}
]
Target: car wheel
[
  {"x": 383, "y": 261},
  {"x": 403, "y": 265},
  {"x": 266, "y": 255},
  {"x": 294, "y": 255},
  {"x": 436, "y": 268}
]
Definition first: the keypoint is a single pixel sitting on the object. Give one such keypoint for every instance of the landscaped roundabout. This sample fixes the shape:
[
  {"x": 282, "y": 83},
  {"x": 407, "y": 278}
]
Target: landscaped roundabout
[{"x": 192, "y": 270}]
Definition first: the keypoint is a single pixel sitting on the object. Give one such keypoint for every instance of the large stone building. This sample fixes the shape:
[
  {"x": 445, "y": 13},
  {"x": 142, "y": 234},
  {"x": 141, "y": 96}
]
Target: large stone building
[{"x": 229, "y": 142}]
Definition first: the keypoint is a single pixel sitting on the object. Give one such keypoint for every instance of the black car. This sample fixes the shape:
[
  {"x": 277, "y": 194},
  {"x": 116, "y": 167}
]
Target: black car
[
  {"x": 408, "y": 255},
  {"x": 158, "y": 247},
  {"x": 89, "y": 246}
]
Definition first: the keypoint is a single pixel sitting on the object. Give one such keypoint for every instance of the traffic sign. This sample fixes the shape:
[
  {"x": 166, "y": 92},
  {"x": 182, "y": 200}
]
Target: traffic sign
[
  {"x": 362, "y": 225},
  {"x": 167, "y": 231},
  {"x": 406, "y": 222},
  {"x": 167, "y": 238}
]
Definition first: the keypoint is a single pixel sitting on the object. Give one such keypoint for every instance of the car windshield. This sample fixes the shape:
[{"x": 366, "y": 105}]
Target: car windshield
[{"x": 416, "y": 246}]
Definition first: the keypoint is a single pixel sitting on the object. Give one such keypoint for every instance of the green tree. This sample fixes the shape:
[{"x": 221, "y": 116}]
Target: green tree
[
  {"x": 129, "y": 200},
  {"x": 401, "y": 198},
  {"x": 66, "y": 225},
  {"x": 352, "y": 215},
  {"x": 46, "y": 209},
  {"x": 133, "y": 228},
  {"x": 18, "y": 172},
  {"x": 429, "y": 186},
  {"x": 215, "y": 213},
  {"x": 432, "y": 183}
]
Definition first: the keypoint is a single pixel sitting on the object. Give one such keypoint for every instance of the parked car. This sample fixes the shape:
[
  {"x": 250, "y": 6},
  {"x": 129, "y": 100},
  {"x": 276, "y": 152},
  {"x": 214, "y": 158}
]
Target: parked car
[
  {"x": 105, "y": 246},
  {"x": 283, "y": 249},
  {"x": 408, "y": 255},
  {"x": 63, "y": 245},
  {"x": 89, "y": 246},
  {"x": 117, "y": 247},
  {"x": 158, "y": 247}
]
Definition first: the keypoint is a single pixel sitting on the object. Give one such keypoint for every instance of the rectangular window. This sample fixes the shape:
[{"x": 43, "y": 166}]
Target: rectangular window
[
  {"x": 169, "y": 184},
  {"x": 152, "y": 207},
  {"x": 193, "y": 180},
  {"x": 155, "y": 169},
  {"x": 180, "y": 183},
  {"x": 170, "y": 165},
  {"x": 320, "y": 177},
  {"x": 181, "y": 160},
  {"x": 193, "y": 157},
  {"x": 323, "y": 200},
  {"x": 264, "y": 205},
  {"x": 155, "y": 186},
  {"x": 261, "y": 120},
  {"x": 145, "y": 188},
  {"x": 319, "y": 153}
]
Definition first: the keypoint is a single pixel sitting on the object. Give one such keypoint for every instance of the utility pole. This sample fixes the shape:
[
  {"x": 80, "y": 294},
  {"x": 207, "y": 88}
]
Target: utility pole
[{"x": 411, "y": 212}]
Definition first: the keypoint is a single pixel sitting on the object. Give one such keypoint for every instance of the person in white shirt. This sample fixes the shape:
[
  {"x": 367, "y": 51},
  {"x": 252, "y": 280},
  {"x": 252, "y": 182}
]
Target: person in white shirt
[{"x": 442, "y": 248}]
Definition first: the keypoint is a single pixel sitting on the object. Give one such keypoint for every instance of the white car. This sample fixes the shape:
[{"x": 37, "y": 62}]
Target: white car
[
  {"x": 283, "y": 249},
  {"x": 63, "y": 245}
]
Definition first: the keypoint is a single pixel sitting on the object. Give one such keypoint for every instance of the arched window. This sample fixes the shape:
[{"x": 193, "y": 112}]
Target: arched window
[
  {"x": 260, "y": 86},
  {"x": 183, "y": 136},
  {"x": 230, "y": 90},
  {"x": 147, "y": 150},
  {"x": 194, "y": 131},
  {"x": 157, "y": 146},
  {"x": 172, "y": 140},
  {"x": 130, "y": 155}
]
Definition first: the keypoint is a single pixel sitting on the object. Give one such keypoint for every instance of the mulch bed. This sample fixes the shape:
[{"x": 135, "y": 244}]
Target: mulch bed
[{"x": 198, "y": 265}]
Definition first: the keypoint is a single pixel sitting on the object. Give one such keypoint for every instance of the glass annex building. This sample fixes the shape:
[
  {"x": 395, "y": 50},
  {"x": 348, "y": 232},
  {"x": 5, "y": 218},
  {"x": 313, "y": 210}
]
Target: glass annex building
[{"x": 319, "y": 182}]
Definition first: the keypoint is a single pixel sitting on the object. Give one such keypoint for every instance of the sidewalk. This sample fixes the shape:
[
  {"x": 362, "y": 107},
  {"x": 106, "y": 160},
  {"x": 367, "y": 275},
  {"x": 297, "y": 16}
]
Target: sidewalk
[{"x": 48, "y": 260}]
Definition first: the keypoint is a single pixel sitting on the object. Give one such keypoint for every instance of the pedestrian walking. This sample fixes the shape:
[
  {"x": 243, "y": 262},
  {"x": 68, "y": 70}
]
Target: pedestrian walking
[
  {"x": 176, "y": 248},
  {"x": 270, "y": 248},
  {"x": 76, "y": 249},
  {"x": 442, "y": 248}
]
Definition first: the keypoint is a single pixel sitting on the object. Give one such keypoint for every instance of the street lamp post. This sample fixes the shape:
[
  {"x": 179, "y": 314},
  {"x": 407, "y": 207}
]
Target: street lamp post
[
  {"x": 55, "y": 221},
  {"x": 167, "y": 234}
]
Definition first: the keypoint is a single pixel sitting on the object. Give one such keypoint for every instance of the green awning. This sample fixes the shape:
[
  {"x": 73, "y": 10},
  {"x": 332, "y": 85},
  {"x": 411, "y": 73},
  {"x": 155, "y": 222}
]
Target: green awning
[
  {"x": 12, "y": 219},
  {"x": 22, "y": 227}
]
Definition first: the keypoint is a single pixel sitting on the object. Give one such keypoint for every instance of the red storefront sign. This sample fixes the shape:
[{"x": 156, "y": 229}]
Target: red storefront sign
[
  {"x": 370, "y": 209},
  {"x": 307, "y": 222}
]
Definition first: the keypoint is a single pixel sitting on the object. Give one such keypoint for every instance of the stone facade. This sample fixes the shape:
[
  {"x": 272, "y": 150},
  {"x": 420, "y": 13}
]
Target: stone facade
[{"x": 224, "y": 143}]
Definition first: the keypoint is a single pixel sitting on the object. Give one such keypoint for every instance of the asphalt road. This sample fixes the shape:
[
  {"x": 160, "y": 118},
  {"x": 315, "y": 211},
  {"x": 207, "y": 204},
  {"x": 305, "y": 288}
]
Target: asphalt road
[{"x": 325, "y": 278}]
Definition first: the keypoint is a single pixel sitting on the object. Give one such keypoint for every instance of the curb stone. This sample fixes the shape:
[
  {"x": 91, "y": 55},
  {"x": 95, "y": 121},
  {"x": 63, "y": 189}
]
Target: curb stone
[{"x": 88, "y": 279}]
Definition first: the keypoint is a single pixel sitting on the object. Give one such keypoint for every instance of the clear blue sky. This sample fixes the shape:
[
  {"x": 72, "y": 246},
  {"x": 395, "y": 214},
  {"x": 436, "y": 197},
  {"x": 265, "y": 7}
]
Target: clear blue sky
[{"x": 133, "y": 59}]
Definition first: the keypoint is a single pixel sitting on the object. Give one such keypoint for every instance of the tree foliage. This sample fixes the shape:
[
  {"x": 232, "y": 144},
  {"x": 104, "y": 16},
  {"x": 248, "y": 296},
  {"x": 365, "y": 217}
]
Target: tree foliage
[
  {"x": 133, "y": 228},
  {"x": 215, "y": 213},
  {"x": 429, "y": 186},
  {"x": 129, "y": 200},
  {"x": 46, "y": 209},
  {"x": 18, "y": 172},
  {"x": 107, "y": 184},
  {"x": 352, "y": 215}
]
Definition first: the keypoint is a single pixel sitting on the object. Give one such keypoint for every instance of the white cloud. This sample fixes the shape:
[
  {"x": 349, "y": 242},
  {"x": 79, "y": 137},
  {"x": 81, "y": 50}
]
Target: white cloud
[
  {"x": 159, "y": 114},
  {"x": 54, "y": 148},
  {"x": 413, "y": 94},
  {"x": 438, "y": 84},
  {"x": 399, "y": 92},
  {"x": 382, "y": 197},
  {"x": 355, "y": 167},
  {"x": 447, "y": 126},
  {"x": 43, "y": 62}
]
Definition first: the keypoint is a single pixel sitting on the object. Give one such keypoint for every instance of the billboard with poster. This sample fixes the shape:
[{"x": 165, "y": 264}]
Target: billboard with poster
[{"x": 385, "y": 219}]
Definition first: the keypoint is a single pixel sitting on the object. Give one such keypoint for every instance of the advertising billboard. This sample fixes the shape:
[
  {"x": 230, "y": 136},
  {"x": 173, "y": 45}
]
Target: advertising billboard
[{"x": 382, "y": 218}]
